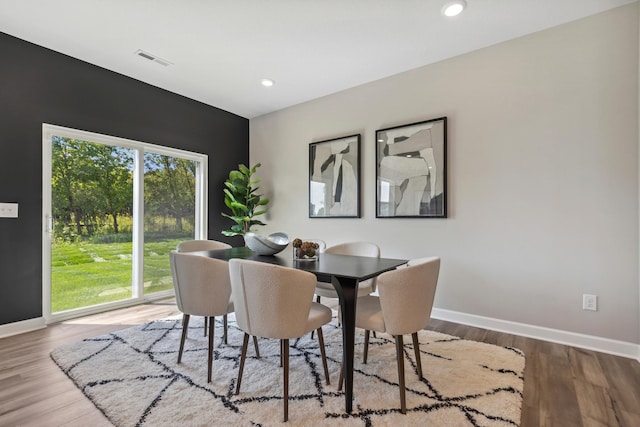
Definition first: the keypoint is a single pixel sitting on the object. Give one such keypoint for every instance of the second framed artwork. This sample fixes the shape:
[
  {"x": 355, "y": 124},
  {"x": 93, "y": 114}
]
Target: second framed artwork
[
  {"x": 411, "y": 170},
  {"x": 334, "y": 178}
]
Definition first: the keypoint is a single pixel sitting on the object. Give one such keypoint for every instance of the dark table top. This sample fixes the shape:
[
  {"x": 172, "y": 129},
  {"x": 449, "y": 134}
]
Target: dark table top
[{"x": 353, "y": 267}]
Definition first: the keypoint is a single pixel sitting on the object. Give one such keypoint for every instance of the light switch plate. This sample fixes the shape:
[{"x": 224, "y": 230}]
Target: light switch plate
[{"x": 8, "y": 210}]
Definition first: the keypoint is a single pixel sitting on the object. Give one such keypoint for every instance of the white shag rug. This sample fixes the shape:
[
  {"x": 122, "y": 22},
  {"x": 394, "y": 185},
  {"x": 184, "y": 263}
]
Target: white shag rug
[{"x": 133, "y": 378}]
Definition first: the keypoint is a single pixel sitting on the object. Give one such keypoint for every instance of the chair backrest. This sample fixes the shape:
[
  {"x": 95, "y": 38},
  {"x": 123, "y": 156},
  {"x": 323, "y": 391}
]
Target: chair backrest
[
  {"x": 202, "y": 284},
  {"x": 271, "y": 301},
  {"x": 201, "y": 245},
  {"x": 357, "y": 249},
  {"x": 406, "y": 295}
]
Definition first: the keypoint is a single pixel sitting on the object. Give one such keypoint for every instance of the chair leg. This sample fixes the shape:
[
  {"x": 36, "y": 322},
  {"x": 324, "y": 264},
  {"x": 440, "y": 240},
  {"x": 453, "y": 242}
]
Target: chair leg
[
  {"x": 285, "y": 376},
  {"x": 341, "y": 379},
  {"x": 185, "y": 327},
  {"x": 366, "y": 346},
  {"x": 210, "y": 356},
  {"x": 281, "y": 354},
  {"x": 255, "y": 345},
  {"x": 206, "y": 326},
  {"x": 224, "y": 320},
  {"x": 243, "y": 355},
  {"x": 400, "y": 360},
  {"x": 318, "y": 301},
  {"x": 323, "y": 354},
  {"x": 416, "y": 349}
]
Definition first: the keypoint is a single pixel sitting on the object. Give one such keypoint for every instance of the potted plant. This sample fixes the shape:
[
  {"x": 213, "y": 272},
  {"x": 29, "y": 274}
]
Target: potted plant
[{"x": 242, "y": 199}]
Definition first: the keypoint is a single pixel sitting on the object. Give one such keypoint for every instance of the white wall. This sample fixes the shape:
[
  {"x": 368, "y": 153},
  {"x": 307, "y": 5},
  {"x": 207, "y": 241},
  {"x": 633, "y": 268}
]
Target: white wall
[{"x": 542, "y": 174}]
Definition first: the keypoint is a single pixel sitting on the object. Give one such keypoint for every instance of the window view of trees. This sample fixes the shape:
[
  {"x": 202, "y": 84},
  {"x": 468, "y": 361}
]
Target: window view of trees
[
  {"x": 92, "y": 185},
  {"x": 169, "y": 186},
  {"x": 169, "y": 214},
  {"x": 92, "y": 209}
]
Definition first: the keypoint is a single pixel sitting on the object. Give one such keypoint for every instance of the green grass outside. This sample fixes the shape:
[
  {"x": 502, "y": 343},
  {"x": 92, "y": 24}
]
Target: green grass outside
[{"x": 85, "y": 274}]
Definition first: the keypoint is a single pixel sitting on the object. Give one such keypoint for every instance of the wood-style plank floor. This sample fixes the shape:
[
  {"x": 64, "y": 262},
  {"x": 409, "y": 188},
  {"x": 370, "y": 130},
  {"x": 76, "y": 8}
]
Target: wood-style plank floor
[{"x": 563, "y": 386}]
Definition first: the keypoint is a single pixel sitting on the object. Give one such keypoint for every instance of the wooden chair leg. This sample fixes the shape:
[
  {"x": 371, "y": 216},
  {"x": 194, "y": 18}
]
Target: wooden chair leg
[
  {"x": 366, "y": 346},
  {"x": 185, "y": 327},
  {"x": 281, "y": 353},
  {"x": 416, "y": 350},
  {"x": 243, "y": 355},
  {"x": 210, "y": 356},
  {"x": 206, "y": 326},
  {"x": 341, "y": 379},
  {"x": 400, "y": 360},
  {"x": 318, "y": 301},
  {"x": 224, "y": 320},
  {"x": 323, "y": 354},
  {"x": 285, "y": 376},
  {"x": 255, "y": 345}
]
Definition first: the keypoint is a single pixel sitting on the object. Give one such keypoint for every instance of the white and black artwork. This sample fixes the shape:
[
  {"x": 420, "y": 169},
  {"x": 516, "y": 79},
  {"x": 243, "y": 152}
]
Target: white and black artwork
[
  {"x": 411, "y": 174},
  {"x": 334, "y": 178}
]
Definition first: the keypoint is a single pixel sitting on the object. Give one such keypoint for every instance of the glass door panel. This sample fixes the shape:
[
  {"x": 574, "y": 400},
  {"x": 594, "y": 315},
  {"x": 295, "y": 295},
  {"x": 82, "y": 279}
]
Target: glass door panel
[
  {"x": 91, "y": 207},
  {"x": 169, "y": 214}
]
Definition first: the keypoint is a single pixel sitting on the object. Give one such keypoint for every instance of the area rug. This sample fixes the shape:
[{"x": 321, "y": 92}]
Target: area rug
[{"x": 133, "y": 378}]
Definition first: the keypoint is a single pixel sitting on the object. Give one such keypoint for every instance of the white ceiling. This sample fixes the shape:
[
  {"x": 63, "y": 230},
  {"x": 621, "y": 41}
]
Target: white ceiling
[{"x": 221, "y": 49}]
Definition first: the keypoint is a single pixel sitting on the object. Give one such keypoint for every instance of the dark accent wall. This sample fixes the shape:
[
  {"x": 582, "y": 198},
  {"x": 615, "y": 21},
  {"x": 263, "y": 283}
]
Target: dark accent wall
[{"x": 39, "y": 86}]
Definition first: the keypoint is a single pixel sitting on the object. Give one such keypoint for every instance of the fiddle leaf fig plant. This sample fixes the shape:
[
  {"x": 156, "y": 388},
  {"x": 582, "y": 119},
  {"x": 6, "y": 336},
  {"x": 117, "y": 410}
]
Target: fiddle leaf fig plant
[{"x": 240, "y": 196}]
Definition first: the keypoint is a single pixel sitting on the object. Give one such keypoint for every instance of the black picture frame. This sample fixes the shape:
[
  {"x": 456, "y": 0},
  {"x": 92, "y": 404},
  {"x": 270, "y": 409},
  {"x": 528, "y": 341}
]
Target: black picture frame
[
  {"x": 411, "y": 175},
  {"x": 334, "y": 178}
]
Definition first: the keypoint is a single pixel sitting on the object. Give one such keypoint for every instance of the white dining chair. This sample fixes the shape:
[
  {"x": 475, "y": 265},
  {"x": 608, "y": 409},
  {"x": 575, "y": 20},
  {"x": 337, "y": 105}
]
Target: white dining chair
[
  {"x": 202, "y": 288},
  {"x": 273, "y": 301},
  {"x": 325, "y": 289},
  {"x": 403, "y": 307},
  {"x": 201, "y": 245},
  {"x": 205, "y": 245}
]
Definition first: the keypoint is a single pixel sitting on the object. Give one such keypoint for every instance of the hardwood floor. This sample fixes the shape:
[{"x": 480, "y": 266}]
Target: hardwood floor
[
  {"x": 563, "y": 386},
  {"x": 567, "y": 386}
]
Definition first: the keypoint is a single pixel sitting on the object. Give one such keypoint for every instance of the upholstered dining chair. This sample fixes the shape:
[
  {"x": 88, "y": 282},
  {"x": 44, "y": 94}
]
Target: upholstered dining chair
[
  {"x": 202, "y": 289},
  {"x": 403, "y": 307},
  {"x": 324, "y": 289},
  {"x": 205, "y": 245},
  {"x": 201, "y": 245},
  {"x": 273, "y": 301}
]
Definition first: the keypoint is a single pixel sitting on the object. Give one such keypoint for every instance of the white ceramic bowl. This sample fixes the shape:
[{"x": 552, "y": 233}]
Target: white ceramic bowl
[{"x": 270, "y": 245}]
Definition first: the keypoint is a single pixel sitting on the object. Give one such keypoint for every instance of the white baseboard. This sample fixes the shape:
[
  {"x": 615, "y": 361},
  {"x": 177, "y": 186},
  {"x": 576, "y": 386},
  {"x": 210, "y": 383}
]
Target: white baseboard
[
  {"x": 16, "y": 328},
  {"x": 589, "y": 342}
]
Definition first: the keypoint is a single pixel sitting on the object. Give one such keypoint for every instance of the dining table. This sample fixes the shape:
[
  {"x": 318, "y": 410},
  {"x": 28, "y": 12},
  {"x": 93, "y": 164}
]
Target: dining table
[{"x": 344, "y": 272}]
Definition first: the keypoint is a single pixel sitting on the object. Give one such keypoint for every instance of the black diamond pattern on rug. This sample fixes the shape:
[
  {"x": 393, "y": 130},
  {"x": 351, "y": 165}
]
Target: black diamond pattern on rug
[{"x": 133, "y": 378}]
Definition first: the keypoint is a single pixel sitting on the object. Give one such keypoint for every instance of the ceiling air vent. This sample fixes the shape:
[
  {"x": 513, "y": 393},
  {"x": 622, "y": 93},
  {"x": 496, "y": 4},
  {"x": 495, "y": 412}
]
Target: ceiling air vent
[{"x": 152, "y": 57}]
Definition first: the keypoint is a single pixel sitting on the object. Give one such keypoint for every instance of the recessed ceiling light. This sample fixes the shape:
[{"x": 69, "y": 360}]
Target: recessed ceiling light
[
  {"x": 267, "y": 82},
  {"x": 453, "y": 8}
]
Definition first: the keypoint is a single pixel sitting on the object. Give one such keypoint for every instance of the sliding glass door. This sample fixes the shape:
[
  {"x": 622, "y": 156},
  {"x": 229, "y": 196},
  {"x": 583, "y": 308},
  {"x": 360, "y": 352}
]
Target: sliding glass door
[{"x": 113, "y": 210}]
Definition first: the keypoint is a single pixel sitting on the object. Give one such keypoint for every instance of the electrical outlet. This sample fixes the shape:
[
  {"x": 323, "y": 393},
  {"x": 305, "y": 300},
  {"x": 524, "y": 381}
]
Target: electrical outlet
[
  {"x": 8, "y": 210},
  {"x": 590, "y": 302}
]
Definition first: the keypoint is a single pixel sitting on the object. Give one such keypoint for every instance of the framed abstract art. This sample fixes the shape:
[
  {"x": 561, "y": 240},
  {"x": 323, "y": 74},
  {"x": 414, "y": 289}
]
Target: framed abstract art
[
  {"x": 334, "y": 178},
  {"x": 411, "y": 170}
]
